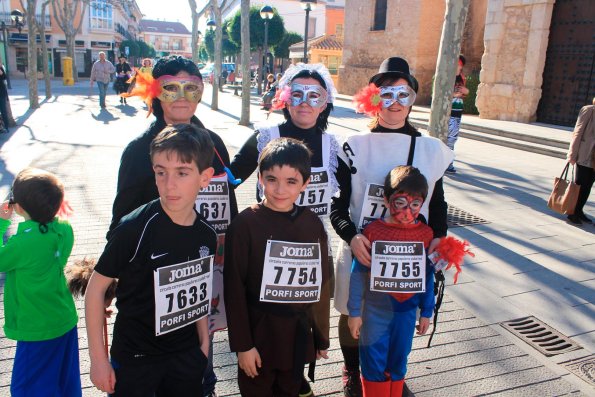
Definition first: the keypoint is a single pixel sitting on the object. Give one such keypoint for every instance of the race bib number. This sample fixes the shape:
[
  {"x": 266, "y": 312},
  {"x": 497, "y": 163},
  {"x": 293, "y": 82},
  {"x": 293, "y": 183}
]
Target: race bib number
[
  {"x": 212, "y": 202},
  {"x": 373, "y": 206},
  {"x": 292, "y": 272},
  {"x": 317, "y": 194},
  {"x": 182, "y": 294},
  {"x": 398, "y": 266}
]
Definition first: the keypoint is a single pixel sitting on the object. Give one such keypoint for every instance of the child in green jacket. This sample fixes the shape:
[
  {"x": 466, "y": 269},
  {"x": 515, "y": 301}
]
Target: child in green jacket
[{"x": 38, "y": 307}]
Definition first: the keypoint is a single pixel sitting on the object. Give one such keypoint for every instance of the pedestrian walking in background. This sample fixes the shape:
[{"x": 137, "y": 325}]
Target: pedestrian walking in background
[
  {"x": 269, "y": 92},
  {"x": 231, "y": 79},
  {"x": 147, "y": 66},
  {"x": 582, "y": 154},
  {"x": 101, "y": 72},
  {"x": 123, "y": 73},
  {"x": 365, "y": 160},
  {"x": 454, "y": 123},
  {"x": 39, "y": 310},
  {"x": 3, "y": 99},
  {"x": 173, "y": 92},
  {"x": 223, "y": 79},
  {"x": 305, "y": 95}
]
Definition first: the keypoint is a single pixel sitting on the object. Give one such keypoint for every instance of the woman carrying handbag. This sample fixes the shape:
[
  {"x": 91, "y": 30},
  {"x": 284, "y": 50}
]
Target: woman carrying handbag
[{"x": 582, "y": 153}]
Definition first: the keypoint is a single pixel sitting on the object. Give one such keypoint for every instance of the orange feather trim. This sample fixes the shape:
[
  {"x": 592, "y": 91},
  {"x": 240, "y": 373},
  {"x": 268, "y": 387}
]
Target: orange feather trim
[
  {"x": 368, "y": 100},
  {"x": 146, "y": 88},
  {"x": 453, "y": 251}
]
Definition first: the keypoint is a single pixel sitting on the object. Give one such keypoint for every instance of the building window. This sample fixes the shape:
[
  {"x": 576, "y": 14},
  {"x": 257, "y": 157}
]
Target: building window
[
  {"x": 101, "y": 15},
  {"x": 177, "y": 45},
  {"x": 311, "y": 27},
  {"x": 332, "y": 63},
  {"x": 379, "y": 15},
  {"x": 339, "y": 30}
]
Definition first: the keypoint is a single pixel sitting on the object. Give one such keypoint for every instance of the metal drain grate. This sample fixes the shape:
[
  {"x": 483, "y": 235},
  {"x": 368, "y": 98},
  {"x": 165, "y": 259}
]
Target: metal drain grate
[
  {"x": 583, "y": 367},
  {"x": 456, "y": 217},
  {"x": 540, "y": 336}
]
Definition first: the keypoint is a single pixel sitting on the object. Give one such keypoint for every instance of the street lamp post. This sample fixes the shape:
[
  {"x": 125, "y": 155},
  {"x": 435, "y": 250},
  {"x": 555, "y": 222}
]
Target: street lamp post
[
  {"x": 266, "y": 13},
  {"x": 17, "y": 21},
  {"x": 307, "y": 5}
]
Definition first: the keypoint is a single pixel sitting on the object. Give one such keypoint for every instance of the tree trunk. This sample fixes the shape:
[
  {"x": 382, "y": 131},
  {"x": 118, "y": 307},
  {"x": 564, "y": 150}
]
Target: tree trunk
[
  {"x": 70, "y": 53},
  {"x": 245, "y": 18},
  {"x": 259, "y": 74},
  {"x": 446, "y": 68},
  {"x": 218, "y": 45},
  {"x": 32, "y": 55},
  {"x": 194, "y": 44},
  {"x": 44, "y": 51}
]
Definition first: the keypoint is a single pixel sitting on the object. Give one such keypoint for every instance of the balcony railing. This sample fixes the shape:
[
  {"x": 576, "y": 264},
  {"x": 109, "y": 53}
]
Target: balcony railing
[
  {"x": 123, "y": 31},
  {"x": 5, "y": 17}
]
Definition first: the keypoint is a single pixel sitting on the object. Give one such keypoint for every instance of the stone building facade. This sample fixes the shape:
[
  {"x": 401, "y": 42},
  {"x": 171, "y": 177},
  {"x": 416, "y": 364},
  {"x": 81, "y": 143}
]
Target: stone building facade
[
  {"x": 516, "y": 38},
  {"x": 537, "y": 57}
]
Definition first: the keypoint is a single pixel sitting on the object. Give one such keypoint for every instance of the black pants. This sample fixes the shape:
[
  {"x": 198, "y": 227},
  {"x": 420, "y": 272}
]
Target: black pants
[
  {"x": 178, "y": 375},
  {"x": 349, "y": 346},
  {"x": 3, "y": 104},
  {"x": 584, "y": 177},
  {"x": 269, "y": 383}
]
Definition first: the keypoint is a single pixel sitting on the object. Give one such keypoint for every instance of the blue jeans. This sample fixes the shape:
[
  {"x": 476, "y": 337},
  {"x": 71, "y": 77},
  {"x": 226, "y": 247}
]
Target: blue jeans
[
  {"x": 210, "y": 378},
  {"x": 102, "y": 92}
]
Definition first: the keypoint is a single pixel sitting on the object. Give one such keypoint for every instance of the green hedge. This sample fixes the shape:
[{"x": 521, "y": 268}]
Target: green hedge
[{"x": 471, "y": 83}]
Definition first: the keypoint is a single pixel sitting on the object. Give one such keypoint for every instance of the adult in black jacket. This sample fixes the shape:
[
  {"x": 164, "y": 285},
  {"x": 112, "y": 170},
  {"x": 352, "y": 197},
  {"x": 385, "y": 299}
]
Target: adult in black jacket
[
  {"x": 179, "y": 79},
  {"x": 123, "y": 73},
  {"x": 136, "y": 179},
  {"x": 3, "y": 99}
]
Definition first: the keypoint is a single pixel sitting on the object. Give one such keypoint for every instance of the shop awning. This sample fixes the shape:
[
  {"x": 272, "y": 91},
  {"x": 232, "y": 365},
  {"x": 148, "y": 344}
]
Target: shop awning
[{"x": 23, "y": 37}]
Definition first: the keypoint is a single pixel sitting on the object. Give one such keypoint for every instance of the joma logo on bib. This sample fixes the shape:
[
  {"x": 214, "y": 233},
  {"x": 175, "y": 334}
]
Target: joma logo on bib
[
  {"x": 186, "y": 272},
  {"x": 398, "y": 249},
  {"x": 213, "y": 188},
  {"x": 297, "y": 252}
]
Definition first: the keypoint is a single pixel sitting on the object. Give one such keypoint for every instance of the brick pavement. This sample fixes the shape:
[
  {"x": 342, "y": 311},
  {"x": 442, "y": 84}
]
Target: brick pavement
[{"x": 469, "y": 356}]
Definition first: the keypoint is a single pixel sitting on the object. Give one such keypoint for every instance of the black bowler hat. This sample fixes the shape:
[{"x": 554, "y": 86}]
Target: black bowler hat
[{"x": 395, "y": 67}]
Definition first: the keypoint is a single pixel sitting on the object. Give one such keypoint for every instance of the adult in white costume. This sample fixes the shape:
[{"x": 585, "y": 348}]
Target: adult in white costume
[{"x": 369, "y": 156}]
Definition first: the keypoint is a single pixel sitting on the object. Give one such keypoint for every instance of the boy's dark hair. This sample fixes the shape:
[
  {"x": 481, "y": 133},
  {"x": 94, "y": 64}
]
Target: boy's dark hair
[
  {"x": 405, "y": 179},
  {"x": 39, "y": 192},
  {"x": 322, "y": 120},
  {"x": 189, "y": 142},
  {"x": 286, "y": 151},
  {"x": 171, "y": 65},
  {"x": 462, "y": 59}
]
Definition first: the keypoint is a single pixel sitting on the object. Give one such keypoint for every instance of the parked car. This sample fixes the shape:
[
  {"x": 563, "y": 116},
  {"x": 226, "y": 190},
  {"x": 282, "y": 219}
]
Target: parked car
[{"x": 207, "y": 71}]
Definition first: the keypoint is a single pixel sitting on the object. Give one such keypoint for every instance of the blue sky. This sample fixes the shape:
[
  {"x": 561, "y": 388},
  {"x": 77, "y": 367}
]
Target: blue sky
[{"x": 170, "y": 10}]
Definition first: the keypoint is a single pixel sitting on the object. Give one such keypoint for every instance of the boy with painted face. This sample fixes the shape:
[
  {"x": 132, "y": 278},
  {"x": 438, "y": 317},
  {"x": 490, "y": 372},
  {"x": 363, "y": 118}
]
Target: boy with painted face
[
  {"x": 276, "y": 278},
  {"x": 398, "y": 282}
]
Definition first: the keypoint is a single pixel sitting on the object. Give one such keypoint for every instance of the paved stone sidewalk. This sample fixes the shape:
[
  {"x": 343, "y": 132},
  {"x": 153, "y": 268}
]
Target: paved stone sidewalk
[{"x": 469, "y": 356}]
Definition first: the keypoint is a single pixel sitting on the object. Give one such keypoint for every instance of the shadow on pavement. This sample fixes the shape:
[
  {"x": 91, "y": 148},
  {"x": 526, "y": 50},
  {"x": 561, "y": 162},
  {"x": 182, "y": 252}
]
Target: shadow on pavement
[
  {"x": 128, "y": 110},
  {"x": 105, "y": 116}
]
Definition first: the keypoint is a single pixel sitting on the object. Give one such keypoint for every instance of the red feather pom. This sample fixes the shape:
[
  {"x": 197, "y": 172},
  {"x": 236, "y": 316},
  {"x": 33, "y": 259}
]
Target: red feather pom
[
  {"x": 146, "y": 88},
  {"x": 282, "y": 97},
  {"x": 368, "y": 100},
  {"x": 453, "y": 251}
]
